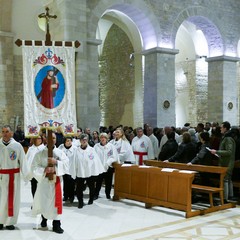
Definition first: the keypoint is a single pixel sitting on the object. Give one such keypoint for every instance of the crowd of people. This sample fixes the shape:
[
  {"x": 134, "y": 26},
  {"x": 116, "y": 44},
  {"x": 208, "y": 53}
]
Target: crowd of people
[{"x": 87, "y": 160}]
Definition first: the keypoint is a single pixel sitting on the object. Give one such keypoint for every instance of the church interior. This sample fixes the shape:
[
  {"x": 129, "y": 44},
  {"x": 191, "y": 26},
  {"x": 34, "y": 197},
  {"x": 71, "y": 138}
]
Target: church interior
[
  {"x": 161, "y": 63},
  {"x": 123, "y": 220},
  {"x": 164, "y": 63}
]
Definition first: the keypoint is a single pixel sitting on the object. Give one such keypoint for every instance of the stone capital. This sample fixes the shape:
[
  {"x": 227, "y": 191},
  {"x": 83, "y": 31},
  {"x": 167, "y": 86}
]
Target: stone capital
[
  {"x": 6, "y": 34},
  {"x": 222, "y": 58},
  {"x": 95, "y": 42},
  {"x": 160, "y": 50}
]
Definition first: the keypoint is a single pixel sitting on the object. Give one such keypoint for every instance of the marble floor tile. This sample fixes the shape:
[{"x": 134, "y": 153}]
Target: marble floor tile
[{"x": 123, "y": 220}]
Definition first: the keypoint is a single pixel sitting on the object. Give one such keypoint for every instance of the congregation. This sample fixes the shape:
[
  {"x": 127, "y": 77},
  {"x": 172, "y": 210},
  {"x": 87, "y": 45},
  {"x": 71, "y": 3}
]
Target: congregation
[{"x": 87, "y": 160}]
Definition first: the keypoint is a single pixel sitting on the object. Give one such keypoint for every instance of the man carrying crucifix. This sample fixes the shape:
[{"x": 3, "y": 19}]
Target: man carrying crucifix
[{"x": 48, "y": 197}]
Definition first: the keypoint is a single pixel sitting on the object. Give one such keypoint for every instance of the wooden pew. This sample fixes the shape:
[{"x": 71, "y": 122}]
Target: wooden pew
[
  {"x": 221, "y": 171},
  {"x": 236, "y": 176},
  {"x": 155, "y": 187}
]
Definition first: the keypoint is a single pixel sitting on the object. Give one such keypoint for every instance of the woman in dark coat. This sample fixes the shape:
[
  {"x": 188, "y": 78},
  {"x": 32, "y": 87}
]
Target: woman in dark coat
[
  {"x": 204, "y": 157},
  {"x": 169, "y": 148},
  {"x": 186, "y": 150}
]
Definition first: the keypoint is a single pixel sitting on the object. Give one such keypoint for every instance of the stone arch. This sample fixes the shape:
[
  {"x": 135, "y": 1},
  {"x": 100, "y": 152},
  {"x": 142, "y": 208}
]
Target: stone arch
[
  {"x": 190, "y": 75},
  {"x": 196, "y": 69},
  {"x": 141, "y": 15},
  {"x": 200, "y": 17},
  {"x": 142, "y": 28},
  {"x": 116, "y": 79}
]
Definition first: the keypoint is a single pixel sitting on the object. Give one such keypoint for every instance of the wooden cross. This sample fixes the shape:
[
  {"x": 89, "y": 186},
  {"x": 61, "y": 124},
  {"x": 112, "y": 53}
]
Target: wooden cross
[
  {"x": 48, "y": 17},
  {"x": 50, "y": 151},
  {"x": 48, "y": 41}
]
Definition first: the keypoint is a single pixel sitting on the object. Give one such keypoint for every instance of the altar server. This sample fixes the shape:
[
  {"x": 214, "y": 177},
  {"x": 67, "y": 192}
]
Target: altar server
[
  {"x": 123, "y": 147},
  {"x": 36, "y": 147},
  {"x": 108, "y": 155},
  {"x": 48, "y": 197},
  {"x": 68, "y": 182},
  {"x": 86, "y": 167}
]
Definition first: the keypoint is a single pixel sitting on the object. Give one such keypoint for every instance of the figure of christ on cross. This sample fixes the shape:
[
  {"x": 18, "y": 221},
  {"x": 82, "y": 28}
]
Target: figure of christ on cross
[{"x": 47, "y": 16}]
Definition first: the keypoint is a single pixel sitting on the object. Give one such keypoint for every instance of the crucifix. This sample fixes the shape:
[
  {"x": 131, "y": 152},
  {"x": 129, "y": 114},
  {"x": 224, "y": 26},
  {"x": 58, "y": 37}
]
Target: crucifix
[
  {"x": 48, "y": 41},
  {"x": 47, "y": 16}
]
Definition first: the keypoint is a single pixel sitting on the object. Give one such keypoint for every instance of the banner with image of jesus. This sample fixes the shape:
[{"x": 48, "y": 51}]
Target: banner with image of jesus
[{"x": 49, "y": 89}]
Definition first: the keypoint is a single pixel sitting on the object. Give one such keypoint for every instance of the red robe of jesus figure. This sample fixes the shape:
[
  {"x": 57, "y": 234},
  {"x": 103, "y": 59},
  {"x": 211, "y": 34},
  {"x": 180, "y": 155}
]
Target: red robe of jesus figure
[{"x": 49, "y": 86}]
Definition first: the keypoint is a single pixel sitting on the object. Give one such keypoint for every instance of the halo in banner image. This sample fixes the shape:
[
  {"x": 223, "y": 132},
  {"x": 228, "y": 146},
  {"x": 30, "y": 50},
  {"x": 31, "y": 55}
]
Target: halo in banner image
[{"x": 49, "y": 86}]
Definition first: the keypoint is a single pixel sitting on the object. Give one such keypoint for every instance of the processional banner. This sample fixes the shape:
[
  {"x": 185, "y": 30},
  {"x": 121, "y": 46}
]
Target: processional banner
[{"x": 49, "y": 89}]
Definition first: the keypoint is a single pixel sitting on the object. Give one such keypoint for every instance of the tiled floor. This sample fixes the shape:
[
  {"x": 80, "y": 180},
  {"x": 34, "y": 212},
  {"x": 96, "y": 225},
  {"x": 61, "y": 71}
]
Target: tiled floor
[{"x": 124, "y": 220}]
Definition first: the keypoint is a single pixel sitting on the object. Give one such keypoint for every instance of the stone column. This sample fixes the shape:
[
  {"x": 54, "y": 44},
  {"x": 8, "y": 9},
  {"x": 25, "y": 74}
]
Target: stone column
[
  {"x": 159, "y": 87},
  {"x": 138, "y": 92},
  {"x": 87, "y": 84},
  {"x": 7, "y": 93},
  {"x": 223, "y": 89},
  {"x": 73, "y": 26},
  {"x": 91, "y": 106}
]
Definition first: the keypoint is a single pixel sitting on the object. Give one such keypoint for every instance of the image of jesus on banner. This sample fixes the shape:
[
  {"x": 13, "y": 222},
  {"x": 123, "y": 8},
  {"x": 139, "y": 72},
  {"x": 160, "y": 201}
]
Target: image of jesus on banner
[{"x": 49, "y": 87}]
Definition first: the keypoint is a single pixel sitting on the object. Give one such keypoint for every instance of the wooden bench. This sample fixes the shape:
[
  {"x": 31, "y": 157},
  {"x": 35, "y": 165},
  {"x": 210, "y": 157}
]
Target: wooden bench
[
  {"x": 236, "y": 176},
  {"x": 210, "y": 190},
  {"x": 155, "y": 187}
]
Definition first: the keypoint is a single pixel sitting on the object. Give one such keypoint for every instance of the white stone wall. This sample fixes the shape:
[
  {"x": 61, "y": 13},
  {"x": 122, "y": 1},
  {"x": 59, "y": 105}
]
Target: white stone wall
[{"x": 201, "y": 81}]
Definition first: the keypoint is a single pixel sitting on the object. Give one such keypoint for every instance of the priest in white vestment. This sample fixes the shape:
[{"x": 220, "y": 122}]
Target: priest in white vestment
[
  {"x": 12, "y": 162},
  {"x": 142, "y": 147},
  {"x": 154, "y": 141}
]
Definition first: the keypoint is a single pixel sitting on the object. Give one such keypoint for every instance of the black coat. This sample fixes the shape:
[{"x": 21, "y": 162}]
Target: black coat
[
  {"x": 185, "y": 153},
  {"x": 204, "y": 157},
  {"x": 168, "y": 149}
]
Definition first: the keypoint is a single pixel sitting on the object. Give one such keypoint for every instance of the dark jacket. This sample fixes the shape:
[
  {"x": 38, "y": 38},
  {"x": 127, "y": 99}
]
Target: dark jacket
[
  {"x": 227, "y": 152},
  {"x": 204, "y": 157},
  {"x": 185, "y": 153},
  {"x": 168, "y": 149}
]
